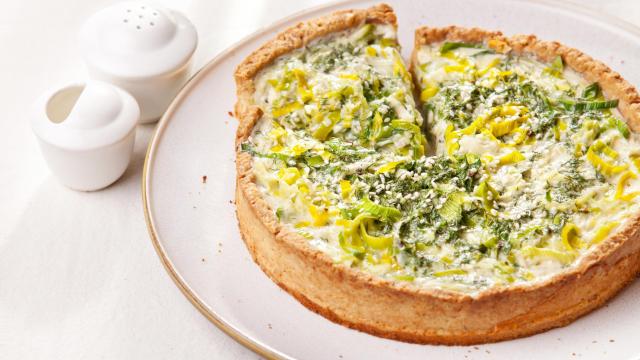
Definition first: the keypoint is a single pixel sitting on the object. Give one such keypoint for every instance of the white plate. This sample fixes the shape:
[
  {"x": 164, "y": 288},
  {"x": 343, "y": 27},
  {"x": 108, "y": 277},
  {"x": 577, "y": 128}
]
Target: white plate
[{"x": 194, "y": 229}]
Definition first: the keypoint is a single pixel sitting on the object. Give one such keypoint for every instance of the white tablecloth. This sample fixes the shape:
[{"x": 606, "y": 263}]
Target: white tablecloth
[{"x": 79, "y": 278}]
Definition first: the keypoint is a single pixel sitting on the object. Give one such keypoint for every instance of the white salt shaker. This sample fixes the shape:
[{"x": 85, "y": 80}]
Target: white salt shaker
[
  {"x": 86, "y": 133},
  {"x": 142, "y": 48}
]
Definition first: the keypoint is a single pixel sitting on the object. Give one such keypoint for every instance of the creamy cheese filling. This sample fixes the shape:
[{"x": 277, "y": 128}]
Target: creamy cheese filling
[{"x": 527, "y": 166}]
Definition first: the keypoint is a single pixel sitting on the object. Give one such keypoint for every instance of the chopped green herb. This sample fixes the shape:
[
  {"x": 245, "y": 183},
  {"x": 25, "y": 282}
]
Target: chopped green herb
[
  {"x": 556, "y": 68},
  {"x": 621, "y": 126},
  {"x": 591, "y": 92},
  {"x": 588, "y": 105},
  {"x": 451, "y": 211},
  {"x": 450, "y": 46},
  {"x": 385, "y": 213}
]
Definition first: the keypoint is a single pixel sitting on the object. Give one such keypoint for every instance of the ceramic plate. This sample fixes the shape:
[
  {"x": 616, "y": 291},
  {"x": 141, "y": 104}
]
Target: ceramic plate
[{"x": 193, "y": 225}]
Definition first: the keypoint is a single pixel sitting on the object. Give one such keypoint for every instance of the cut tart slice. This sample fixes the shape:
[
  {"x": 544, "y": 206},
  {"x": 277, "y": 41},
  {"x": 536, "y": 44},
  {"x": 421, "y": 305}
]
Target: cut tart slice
[
  {"x": 553, "y": 217},
  {"x": 344, "y": 203},
  {"x": 325, "y": 122},
  {"x": 555, "y": 172}
]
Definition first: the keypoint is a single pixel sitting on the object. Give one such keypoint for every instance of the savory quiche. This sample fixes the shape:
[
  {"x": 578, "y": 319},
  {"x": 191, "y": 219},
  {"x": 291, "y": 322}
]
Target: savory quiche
[{"x": 498, "y": 203}]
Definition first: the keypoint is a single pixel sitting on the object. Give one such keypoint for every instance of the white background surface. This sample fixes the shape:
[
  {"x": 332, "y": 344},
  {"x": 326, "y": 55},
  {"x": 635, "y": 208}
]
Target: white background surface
[{"x": 78, "y": 275}]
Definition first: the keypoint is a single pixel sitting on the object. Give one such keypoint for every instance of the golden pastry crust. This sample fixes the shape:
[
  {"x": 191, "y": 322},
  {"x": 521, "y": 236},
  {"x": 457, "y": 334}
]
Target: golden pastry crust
[{"x": 404, "y": 311}]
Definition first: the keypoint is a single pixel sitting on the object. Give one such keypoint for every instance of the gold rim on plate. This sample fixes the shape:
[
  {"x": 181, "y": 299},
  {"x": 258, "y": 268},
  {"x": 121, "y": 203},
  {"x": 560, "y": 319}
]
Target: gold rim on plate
[{"x": 253, "y": 344}]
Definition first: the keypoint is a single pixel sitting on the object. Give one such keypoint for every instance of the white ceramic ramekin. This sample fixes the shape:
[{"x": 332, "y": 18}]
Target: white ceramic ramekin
[{"x": 86, "y": 133}]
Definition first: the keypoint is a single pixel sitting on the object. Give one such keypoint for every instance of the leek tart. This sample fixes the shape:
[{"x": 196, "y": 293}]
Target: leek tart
[{"x": 498, "y": 204}]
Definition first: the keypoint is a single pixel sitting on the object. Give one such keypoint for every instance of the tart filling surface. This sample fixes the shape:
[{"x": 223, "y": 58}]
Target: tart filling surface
[{"x": 518, "y": 170}]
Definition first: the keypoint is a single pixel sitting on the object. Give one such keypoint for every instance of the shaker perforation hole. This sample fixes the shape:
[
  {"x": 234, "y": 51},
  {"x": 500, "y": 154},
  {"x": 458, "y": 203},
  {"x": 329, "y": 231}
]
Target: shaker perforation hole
[
  {"x": 151, "y": 23},
  {"x": 138, "y": 27}
]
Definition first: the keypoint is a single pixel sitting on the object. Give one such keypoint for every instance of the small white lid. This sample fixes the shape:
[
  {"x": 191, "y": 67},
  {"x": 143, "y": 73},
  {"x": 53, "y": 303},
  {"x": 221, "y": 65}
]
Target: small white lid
[
  {"x": 137, "y": 40},
  {"x": 85, "y": 116}
]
